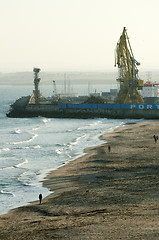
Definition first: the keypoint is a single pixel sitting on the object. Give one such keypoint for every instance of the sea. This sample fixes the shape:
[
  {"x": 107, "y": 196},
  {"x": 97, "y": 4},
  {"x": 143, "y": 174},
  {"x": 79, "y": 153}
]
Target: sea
[{"x": 32, "y": 147}]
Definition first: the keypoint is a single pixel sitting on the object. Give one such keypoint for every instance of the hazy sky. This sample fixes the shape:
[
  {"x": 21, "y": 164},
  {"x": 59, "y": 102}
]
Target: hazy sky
[{"x": 76, "y": 34}]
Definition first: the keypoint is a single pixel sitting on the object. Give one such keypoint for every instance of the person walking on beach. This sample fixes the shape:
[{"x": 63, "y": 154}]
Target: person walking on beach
[
  {"x": 40, "y": 198},
  {"x": 155, "y": 138},
  {"x": 109, "y": 148}
]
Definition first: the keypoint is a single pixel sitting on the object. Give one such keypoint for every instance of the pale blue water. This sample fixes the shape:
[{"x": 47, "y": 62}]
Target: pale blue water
[{"x": 32, "y": 147}]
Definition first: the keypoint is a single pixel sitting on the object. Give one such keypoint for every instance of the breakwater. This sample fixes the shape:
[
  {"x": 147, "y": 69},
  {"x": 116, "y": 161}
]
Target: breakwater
[{"x": 134, "y": 111}]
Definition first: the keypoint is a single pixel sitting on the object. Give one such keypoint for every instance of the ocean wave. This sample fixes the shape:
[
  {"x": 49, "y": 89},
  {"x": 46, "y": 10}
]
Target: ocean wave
[
  {"x": 36, "y": 128},
  {"x": 23, "y": 173},
  {"x": 24, "y": 141},
  {"x": 68, "y": 155},
  {"x": 27, "y": 178},
  {"x": 70, "y": 130},
  {"x": 17, "y": 131},
  {"x": 20, "y": 164},
  {"x": 36, "y": 147},
  {"x": 76, "y": 140},
  {"x": 7, "y": 193},
  {"x": 14, "y": 166},
  {"x": 7, "y": 168},
  {"x": 24, "y": 183},
  {"x": 95, "y": 123},
  {"x": 79, "y": 138},
  {"x": 21, "y": 147},
  {"x": 4, "y": 150},
  {"x": 58, "y": 151},
  {"x": 45, "y": 120},
  {"x": 60, "y": 145},
  {"x": 72, "y": 143},
  {"x": 24, "y": 180},
  {"x": 28, "y": 147},
  {"x": 90, "y": 125}
]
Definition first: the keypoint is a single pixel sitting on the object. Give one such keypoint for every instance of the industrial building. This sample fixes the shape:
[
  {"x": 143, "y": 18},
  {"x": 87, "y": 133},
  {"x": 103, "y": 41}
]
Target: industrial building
[{"x": 150, "y": 93}]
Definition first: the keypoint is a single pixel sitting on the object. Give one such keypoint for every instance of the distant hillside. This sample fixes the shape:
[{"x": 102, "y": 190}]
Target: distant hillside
[{"x": 26, "y": 78}]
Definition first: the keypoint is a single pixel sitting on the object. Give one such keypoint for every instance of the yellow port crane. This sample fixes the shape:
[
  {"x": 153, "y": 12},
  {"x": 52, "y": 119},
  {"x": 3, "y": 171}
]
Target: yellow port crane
[{"x": 128, "y": 72}]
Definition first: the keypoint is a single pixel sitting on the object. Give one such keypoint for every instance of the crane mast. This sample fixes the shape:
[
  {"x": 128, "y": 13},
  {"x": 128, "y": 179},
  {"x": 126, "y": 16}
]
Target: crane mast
[
  {"x": 36, "y": 84},
  {"x": 54, "y": 89},
  {"x": 128, "y": 72}
]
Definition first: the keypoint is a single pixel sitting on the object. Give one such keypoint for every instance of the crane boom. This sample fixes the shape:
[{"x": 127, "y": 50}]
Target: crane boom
[{"x": 128, "y": 72}]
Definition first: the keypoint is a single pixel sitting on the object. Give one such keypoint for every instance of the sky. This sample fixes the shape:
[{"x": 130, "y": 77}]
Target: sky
[{"x": 76, "y": 35}]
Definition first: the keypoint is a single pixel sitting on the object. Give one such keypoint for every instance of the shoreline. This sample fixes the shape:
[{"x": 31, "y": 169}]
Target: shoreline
[
  {"x": 86, "y": 151},
  {"x": 65, "y": 162},
  {"x": 100, "y": 195}
]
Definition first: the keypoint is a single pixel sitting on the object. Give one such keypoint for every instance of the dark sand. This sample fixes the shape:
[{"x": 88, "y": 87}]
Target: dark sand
[{"x": 101, "y": 195}]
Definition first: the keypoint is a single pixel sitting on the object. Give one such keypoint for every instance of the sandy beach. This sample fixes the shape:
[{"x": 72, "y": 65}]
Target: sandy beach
[{"x": 102, "y": 195}]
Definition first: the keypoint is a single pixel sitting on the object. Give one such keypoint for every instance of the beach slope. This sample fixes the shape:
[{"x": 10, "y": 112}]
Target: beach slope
[{"x": 102, "y": 195}]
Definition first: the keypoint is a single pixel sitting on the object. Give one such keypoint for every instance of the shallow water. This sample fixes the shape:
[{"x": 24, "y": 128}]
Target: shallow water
[{"x": 32, "y": 147}]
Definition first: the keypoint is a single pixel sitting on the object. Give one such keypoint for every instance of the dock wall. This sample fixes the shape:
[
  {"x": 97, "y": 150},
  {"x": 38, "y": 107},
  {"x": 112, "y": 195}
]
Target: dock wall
[
  {"x": 23, "y": 108},
  {"x": 135, "y": 111}
]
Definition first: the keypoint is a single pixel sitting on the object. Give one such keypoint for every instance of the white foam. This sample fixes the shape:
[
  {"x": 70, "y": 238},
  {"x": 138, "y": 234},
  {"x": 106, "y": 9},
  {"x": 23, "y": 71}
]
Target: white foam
[
  {"x": 37, "y": 146},
  {"x": 36, "y": 128},
  {"x": 25, "y": 141},
  {"x": 7, "y": 168},
  {"x": 58, "y": 151},
  {"x": 20, "y": 164},
  {"x": 7, "y": 193},
  {"x": 17, "y": 131},
  {"x": 4, "y": 150},
  {"x": 45, "y": 120}
]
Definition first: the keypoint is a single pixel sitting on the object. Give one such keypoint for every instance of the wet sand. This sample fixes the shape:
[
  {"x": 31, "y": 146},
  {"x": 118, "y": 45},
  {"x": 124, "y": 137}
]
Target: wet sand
[{"x": 102, "y": 195}]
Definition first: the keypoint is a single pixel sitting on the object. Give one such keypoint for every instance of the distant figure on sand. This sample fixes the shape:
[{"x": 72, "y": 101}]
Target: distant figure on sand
[
  {"x": 155, "y": 138},
  {"x": 109, "y": 148},
  {"x": 40, "y": 197}
]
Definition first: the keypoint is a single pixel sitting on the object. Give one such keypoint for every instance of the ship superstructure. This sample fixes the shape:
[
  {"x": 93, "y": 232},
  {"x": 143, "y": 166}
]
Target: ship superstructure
[{"x": 150, "y": 92}]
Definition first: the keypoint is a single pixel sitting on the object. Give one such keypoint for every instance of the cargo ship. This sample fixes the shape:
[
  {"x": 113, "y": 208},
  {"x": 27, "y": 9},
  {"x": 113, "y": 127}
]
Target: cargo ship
[
  {"x": 23, "y": 109},
  {"x": 128, "y": 102}
]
